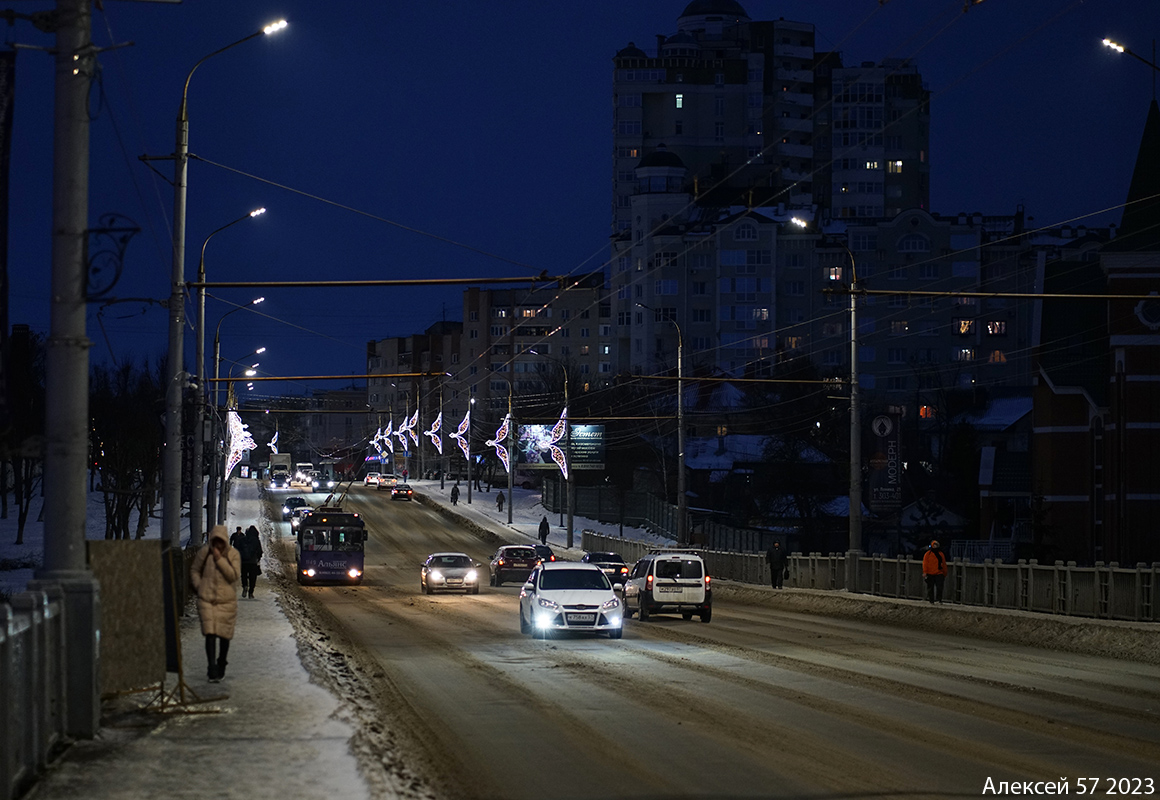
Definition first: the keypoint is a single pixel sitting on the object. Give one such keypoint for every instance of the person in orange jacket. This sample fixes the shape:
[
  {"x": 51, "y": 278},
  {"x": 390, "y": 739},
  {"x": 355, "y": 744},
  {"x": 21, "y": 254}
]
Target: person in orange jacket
[{"x": 934, "y": 571}]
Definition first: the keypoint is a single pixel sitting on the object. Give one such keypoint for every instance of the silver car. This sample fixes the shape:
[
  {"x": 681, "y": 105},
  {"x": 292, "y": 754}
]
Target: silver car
[{"x": 449, "y": 571}]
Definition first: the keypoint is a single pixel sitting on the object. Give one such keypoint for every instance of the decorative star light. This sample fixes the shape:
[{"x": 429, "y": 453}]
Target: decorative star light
[
  {"x": 460, "y": 434},
  {"x": 501, "y": 436},
  {"x": 376, "y": 439},
  {"x": 274, "y": 443},
  {"x": 386, "y": 437},
  {"x": 558, "y": 433},
  {"x": 240, "y": 440},
  {"x": 412, "y": 424},
  {"x": 434, "y": 435},
  {"x": 402, "y": 434}
]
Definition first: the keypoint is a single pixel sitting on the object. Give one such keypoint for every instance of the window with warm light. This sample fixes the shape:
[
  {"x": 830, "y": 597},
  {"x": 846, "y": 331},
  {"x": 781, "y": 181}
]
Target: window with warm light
[
  {"x": 997, "y": 357},
  {"x": 834, "y": 273},
  {"x": 894, "y": 167},
  {"x": 965, "y": 354},
  {"x": 927, "y": 412},
  {"x": 997, "y": 327},
  {"x": 963, "y": 327}
]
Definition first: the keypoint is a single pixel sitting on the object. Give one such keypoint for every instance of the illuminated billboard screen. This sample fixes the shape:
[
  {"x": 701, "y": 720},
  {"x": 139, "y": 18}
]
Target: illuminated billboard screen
[{"x": 533, "y": 447}]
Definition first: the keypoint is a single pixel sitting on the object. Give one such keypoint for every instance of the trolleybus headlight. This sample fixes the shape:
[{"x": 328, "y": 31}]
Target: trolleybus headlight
[
  {"x": 354, "y": 573},
  {"x": 310, "y": 572}
]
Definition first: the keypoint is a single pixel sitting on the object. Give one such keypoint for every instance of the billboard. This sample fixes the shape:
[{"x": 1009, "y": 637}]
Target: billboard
[
  {"x": 885, "y": 464},
  {"x": 533, "y": 447}
]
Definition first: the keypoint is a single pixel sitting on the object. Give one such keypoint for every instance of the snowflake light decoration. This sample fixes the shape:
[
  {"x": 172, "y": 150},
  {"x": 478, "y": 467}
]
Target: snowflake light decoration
[
  {"x": 273, "y": 445},
  {"x": 558, "y": 433},
  {"x": 460, "y": 435},
  {"x": 434, "y": 435},
  {"x": 240, "y": 440}
]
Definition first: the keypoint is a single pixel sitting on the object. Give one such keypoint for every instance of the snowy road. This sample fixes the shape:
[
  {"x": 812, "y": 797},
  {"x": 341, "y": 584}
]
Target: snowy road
[{"x": 758, "y": 703}]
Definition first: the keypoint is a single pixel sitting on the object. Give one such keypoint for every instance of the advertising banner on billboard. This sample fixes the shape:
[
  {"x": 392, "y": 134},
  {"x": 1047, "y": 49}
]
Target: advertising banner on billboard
[
  {"x": 533, "y": 447},
  {"x": 885, "y": 464}
]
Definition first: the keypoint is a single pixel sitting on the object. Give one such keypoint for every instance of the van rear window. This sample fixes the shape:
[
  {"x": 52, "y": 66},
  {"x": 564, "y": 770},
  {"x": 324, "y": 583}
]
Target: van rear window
[{"x": 679, "y": 569}]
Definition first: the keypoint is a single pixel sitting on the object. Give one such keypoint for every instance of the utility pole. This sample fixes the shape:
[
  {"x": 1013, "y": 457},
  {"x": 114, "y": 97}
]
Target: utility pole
[
  {"x": 67, "y": 373},
  {"x": 854, "y": 549}
]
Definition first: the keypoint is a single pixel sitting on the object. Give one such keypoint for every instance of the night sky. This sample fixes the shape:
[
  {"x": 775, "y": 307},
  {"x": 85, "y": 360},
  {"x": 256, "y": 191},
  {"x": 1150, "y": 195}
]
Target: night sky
[{"x": 489, "y": 125}]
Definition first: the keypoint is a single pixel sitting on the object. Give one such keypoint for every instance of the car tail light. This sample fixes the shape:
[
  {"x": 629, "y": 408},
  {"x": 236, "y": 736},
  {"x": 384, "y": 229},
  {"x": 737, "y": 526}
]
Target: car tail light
[
  {"x": 500, "y": 562},
  {"x": 649, "y": 581},
  {"x": 707, "y": 581}
]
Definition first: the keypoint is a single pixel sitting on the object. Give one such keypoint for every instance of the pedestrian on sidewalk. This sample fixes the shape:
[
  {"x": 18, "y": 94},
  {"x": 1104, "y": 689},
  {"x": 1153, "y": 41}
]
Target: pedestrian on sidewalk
[
  {"x": 499, "y": 498},
  {"x": 544, "y": 528},
  {"x": 777, "y": 564},
  {"x": 251, "y": 554},
  {"x": 934, "y": 571},
  {"x": 455, "y": 494},
  {"x": 236, "y": 539},
  {"x": 214, "y": 575}
]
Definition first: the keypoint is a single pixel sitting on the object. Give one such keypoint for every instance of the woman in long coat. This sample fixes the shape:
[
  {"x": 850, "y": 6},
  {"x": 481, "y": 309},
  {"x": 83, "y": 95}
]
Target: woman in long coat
[{"x": 214, "y": 575}]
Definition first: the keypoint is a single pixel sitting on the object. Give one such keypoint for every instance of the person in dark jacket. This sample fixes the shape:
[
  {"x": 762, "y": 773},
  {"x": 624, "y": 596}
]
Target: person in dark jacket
[
  {"x": 236, "y": 538},
  {"x": 544, "y": 528},
  {"x": 777, "y": 564},
  {"x": 499, "y": 502},
  {"x": 250, "y": 550},
  {"x": 455, "y": 494},
  {"x": 934, "y": 571}
]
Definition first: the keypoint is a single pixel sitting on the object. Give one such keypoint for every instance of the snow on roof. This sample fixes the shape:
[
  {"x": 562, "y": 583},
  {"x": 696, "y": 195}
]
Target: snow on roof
[{"x": 1001, "y": 413}]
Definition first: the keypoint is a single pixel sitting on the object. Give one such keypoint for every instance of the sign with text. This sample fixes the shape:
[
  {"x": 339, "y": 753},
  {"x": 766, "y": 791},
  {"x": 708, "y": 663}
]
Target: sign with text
[
  {"x": 586, "y": 450},
  {"x": 885, "y": 464}
]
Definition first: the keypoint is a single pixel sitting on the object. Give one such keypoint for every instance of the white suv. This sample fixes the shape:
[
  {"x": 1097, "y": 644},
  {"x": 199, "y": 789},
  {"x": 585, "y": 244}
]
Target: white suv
[{"x": 669, "y": 580}]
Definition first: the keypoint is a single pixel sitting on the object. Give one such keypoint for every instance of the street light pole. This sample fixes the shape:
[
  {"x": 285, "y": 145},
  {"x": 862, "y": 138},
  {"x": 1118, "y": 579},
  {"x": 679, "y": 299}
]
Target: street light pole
[
  {"x": 216, "y": 458},
  {"x": 197, "y": 495},
  {"x": 470, "y": 424},
  {"x": 854, "y": 550},
  {"x": 174, "y": 382},
  {"x": 682, "y": 493}
]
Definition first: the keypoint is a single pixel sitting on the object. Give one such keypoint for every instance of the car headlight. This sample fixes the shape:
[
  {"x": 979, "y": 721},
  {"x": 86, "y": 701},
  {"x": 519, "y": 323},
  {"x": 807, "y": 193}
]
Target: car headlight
[
  {"x": 435, "y": 575},
  {"x": 610, "y": 604},
  {"x": 285, "y": 509},
  {"x": 544, "y": 602},
  {"x": 471, "y": 576}
]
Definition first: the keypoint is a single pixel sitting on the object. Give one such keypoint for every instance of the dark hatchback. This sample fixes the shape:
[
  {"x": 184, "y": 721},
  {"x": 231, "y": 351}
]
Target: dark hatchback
[
  {"x": 512, "y": 562},
  {"x": 611, "y": 564}
]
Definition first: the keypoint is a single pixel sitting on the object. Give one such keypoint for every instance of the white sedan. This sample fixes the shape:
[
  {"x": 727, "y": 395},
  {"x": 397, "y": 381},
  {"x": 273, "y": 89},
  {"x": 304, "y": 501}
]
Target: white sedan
[
  {"x": 570, "y": 596},
  {"x": 454, "y": 571}
]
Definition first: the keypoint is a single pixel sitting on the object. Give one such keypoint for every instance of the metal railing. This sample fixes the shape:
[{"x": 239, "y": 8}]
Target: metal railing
[
  {"x": 1105, "y": 591},
  {"x": 33, "y": 654}
]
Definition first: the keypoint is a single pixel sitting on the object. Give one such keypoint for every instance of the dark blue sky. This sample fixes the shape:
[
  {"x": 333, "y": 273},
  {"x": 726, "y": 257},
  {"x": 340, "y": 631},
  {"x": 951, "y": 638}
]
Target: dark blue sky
[{"x": 489, "y": 124}]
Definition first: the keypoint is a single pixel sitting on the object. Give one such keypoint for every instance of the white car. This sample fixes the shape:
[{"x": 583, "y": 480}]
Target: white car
[
  {"x": 371, "y": 479},
  {"x": 669, "y": 580},
  {"x": 570, "y": 596},
  {"x": 449, "y": 571}
]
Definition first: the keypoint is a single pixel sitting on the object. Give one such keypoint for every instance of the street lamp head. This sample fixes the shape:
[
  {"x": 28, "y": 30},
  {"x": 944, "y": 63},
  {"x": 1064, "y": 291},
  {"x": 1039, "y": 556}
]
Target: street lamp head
[
  {"x": 251, "y": 372},
  {"x": 257, "y": 212},
  {"x": 801, "y": 223},
  {"x": 1119, "y": 48},
  {"x": 257, "y": 300},
  {"x": 274, "y": 27},
  {"x": 259, "y": 351}
]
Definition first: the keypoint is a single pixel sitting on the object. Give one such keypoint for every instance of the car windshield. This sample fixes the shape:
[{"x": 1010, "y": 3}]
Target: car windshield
[
  {"x": 686, "y": 568},
  {"x": 574, "y": 579},
  {"x": 518, "y": 552},
  {"x": 450, "y": 562}
]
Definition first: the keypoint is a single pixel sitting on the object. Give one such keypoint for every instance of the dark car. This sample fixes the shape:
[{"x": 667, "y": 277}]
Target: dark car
[
  {"x": 401, "y": 491},
  {"x": 512, "y": 562},
  {"x": 611, "y": 564},
  {"x": 543, "y": 552},
  {"x": 290, "y": 505}
]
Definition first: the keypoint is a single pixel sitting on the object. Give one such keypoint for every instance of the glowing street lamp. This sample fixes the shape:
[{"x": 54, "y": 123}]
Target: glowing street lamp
[{"x": 1119, "y": 48}]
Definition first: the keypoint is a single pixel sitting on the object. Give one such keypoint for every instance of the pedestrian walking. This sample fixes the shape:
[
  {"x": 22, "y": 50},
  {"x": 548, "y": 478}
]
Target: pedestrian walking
[
  {"x": 544, "y": 528},
  {"x": 934, "y": 571},
  {"x": 499, "y": 498},
  {"x": 214, "y": 575},
  {"x": 778, "y": 564},
  {"x": 236, "y": 538},
  {"x": 250, "y": 551},
  {"x": 455, "y": 494}
]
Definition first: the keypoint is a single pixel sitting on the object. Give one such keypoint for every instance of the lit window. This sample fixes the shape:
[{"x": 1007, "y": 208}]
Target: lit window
[
  {"x": 834, "y": 273},
  {"x": 965, "y": 354},
  {"x": 997, "y": 357},
  {"x": 927, "y": 412},
  {"x": 894, "y": 167},
  {"x": 997, "y": 327},
  {"x": 680, "y": 101},
  {"x": 898, "y": 327},
  {"x": 963, "y": 327},
  {"x": 871, "y": 165},
  {"x": 794, "y": 342}
]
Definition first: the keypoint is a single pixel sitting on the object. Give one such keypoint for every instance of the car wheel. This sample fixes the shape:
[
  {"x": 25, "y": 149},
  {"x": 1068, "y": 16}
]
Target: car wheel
[
  {"x": 475, "y": 590},
  {"x": 524, "y": 627},
  {"x": 429, "y": 588},
  {"x": 707, "y": 614},
  {"x": 616, "y": 634},
  {"x": 643, "y": 608},
  {"x": 686, "y": 615},
  {"x": 498, "y": 580},
  {"x": 491, "y": 580}
]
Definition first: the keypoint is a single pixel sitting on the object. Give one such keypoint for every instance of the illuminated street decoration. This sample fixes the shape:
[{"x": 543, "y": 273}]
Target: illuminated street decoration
[
  {"x": 434, "y": 435},
  {"x": 402, "y": 434},
  {"x": 558, "y": 433},
  {"x": 412, "y": 424},
  {"x": 501, "y": 436},
  {"x": 386, "y": 437},
  {"x": 273, "y": 445},
  {"x": 460, "y": 435},
  {"x": 240, "y": 440}
]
